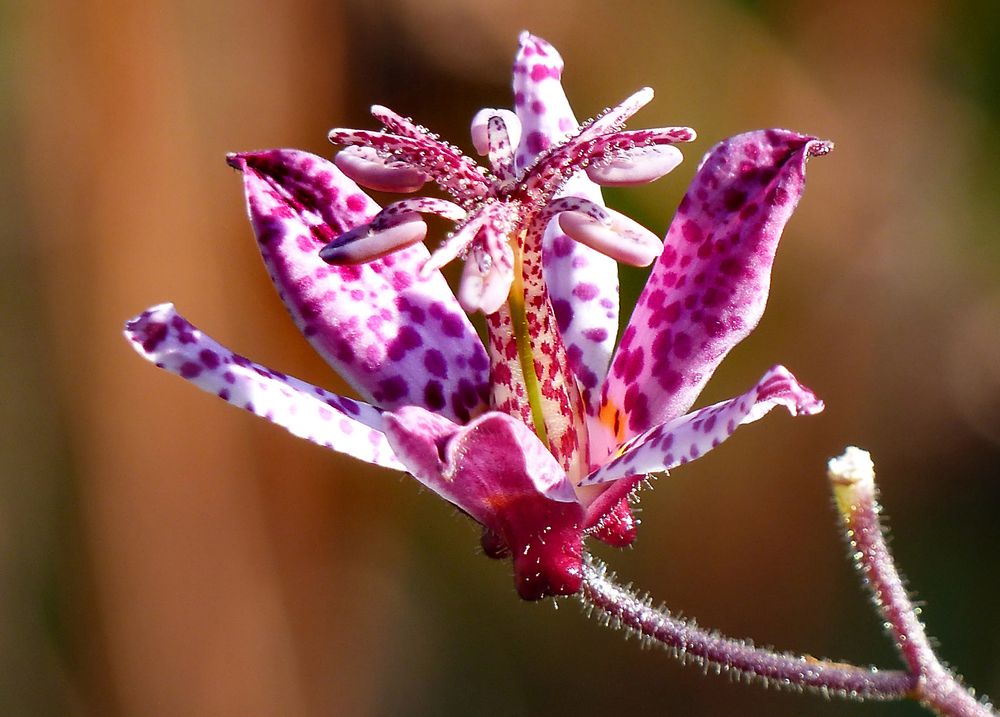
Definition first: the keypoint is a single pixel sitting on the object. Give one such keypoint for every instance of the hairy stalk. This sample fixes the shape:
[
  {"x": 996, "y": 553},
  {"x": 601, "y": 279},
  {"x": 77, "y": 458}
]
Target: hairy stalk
[
  {"x": 926, "y": 680},
  {"x": 691, "y": 643},
  {"x": 853, "y": 479}
]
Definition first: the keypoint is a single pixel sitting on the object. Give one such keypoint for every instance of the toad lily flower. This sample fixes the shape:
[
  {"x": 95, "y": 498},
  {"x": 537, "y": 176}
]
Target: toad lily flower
[{"x": 542, "y": 434}]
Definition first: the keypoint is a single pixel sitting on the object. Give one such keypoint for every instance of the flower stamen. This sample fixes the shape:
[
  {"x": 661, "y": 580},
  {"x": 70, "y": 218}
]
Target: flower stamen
[
  {"x": 451, "y": 170},
  {"x": 623, "y": 239},
  {"x": 366, "y": 167},
  {"x": 368, "y": 242},
  {"x": 506, "y": 212}
]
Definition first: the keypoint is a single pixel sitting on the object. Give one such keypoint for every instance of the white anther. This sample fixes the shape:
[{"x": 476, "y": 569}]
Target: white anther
[
  {"x": 624, "y": 240},
  {"x": 637, "y": 165},
  {"x": 363, "y": 244},
  {"x": 367, "y": 168}
]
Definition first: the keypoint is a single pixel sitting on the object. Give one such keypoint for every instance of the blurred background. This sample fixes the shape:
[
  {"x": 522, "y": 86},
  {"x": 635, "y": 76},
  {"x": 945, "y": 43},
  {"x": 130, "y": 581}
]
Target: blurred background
[{"x": 164, "y": 554}]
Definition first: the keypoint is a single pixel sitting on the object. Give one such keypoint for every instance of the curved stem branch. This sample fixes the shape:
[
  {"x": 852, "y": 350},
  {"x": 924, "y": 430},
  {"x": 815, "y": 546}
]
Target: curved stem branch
[
  {"x": 853, "y": 479},
  {"x": 692, "y": 643}
]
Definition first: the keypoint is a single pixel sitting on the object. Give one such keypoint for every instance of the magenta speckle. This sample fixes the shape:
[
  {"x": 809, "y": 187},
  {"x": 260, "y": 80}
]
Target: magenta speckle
[
  {"x": 190, "y": 369},
  {"x": 562, "y": 245},
  {"x": 638, "y": 417},
  {"x": 305, "y": 244},
  {"x": 435, "y": 363},
  {"x": 478, "y": 360},
  {"x": 670, "y": 381},
  {"x": 357, "y": 202},
  {"x": 468, "y": 393},
  {"x": 537, "y": 142},
  {"x": 691, "y": 231},
  {"x": 453, "y": 326},
  {"x": 682, "y": 345},
  {"x": 350, "y": 406},
  {"x": 392, "y": 389},
  {"x": 401, "y": 280},
  {"x": 585, "y": 292},
  {"x": 633, "y": 365},
  {"x": 539, "y": 72},
  {"x": 407, "y": 339},
  {"x": 434, "y": 396},
  {"x": 564, "y": 313},
  {"x": 733, "y": 199},
  {"x": 209, "y": 358},
  {"x": 153, "y": 334}
]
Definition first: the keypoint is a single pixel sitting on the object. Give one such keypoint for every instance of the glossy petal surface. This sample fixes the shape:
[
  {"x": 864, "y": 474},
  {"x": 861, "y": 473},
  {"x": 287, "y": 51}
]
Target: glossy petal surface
[
  {"x": 496, "y": 470},
  {"x": 686, "y": 438},
  {"x": 708, "y": 289},
  {"x": 582, "y": 283},
  {"x": 399, "y": 339},
  {"x": 166, "y": 338}
]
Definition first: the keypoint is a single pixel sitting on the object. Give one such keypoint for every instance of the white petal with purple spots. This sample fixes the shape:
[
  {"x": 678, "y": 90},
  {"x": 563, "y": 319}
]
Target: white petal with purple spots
[
  {"x": 686, "y": 438},
  {"x": 166, "y": 338},
  {"x": 708, "y": 289},
  {"x": 397, "y": 337},
  {"x": 582, "y": 283}
]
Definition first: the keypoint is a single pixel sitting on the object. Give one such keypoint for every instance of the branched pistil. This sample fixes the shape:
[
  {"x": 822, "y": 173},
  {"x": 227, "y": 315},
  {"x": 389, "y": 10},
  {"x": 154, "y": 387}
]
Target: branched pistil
[{"x": 495, "y": 210}]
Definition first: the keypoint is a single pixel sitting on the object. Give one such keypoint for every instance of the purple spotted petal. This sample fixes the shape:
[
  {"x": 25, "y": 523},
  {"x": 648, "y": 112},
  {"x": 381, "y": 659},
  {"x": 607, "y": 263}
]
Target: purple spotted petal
[
  {"x": 399, "y": 339},
  {"x": 582, "y": 283},
  {"x": 166, "y": 338},
  {"x": 689, "y": 437},
  {"x": 539, "y": 100},
  {"x": 496, "y": 470},
  {"x": 708, "y": 289}
]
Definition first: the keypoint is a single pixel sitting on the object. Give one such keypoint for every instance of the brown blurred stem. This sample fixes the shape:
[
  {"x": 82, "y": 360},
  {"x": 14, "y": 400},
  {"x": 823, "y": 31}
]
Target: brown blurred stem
[{"x": 853, "y": 479}]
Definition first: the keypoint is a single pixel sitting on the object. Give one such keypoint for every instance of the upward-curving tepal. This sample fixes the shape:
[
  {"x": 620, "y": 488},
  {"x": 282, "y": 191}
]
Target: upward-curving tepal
[{"x": 542, "y": 434}]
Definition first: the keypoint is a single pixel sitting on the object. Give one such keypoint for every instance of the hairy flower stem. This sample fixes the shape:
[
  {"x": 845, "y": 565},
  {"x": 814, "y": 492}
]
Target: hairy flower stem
[
  {"x": 692, "y": 643},
  {"x": 926, "y": 680},
  {"x": 853, "y": 479}
]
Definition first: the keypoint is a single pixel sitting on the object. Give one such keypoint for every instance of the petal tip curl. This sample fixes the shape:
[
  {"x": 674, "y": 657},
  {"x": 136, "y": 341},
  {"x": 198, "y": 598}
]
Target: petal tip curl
[
  {"x": 147, "y": 330},
  {"x": 234, "y": 160},
  {"x": 529, "y": 44},
  {"x": 819, "y": 147}
]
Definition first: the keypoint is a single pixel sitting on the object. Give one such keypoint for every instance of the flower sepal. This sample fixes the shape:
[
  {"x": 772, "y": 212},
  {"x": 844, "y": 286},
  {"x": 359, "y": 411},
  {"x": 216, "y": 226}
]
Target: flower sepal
[
  {"x": 546, "y": 542},
  {"x": 616, "y": 526},
  {"x": 496, "y": 470}
]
